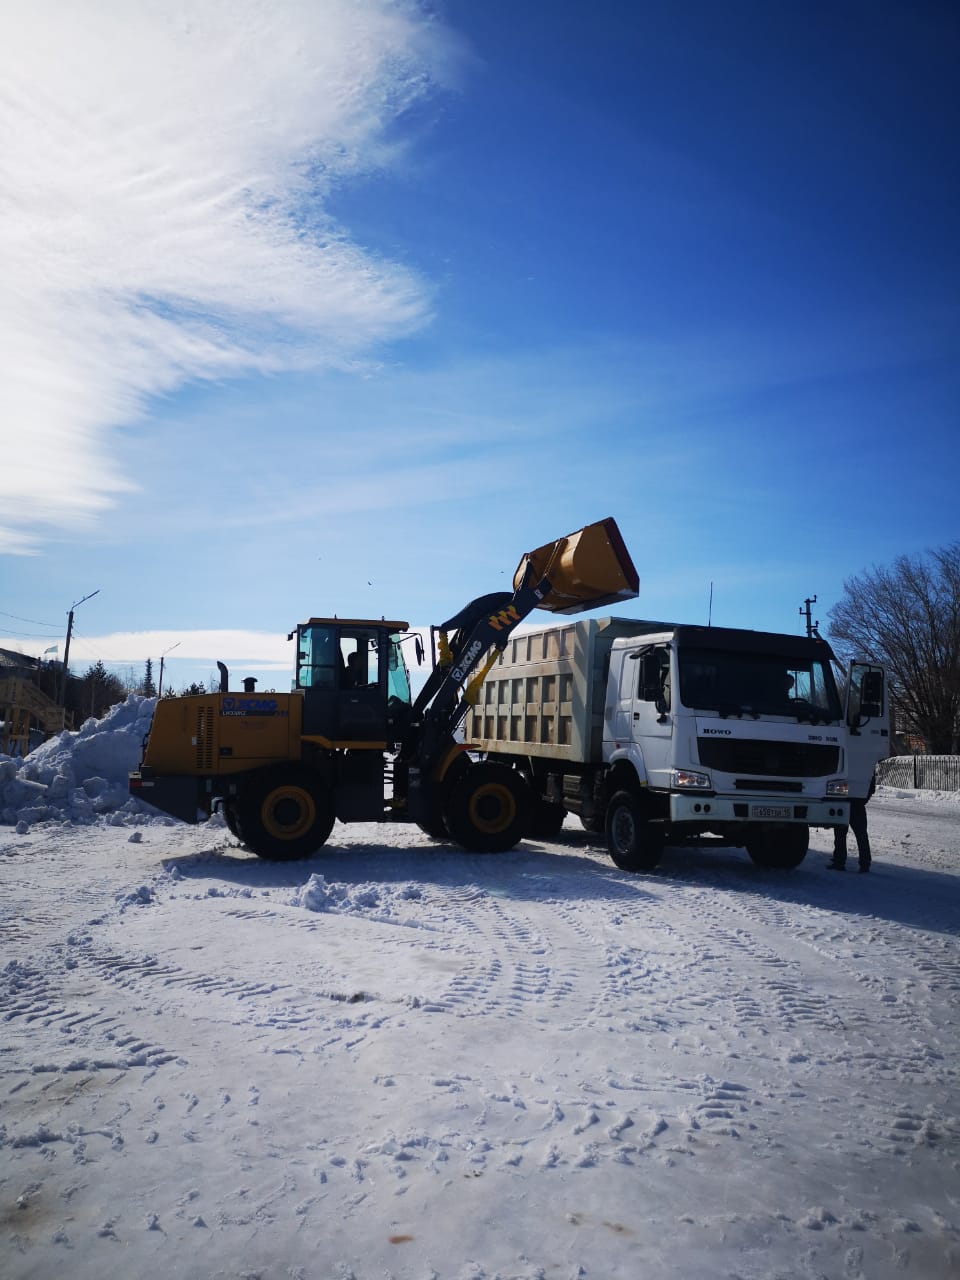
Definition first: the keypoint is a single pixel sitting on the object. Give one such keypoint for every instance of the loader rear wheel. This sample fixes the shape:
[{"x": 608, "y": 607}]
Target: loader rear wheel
[
  {"x": 284, "y": 815},
  {"x": 633, "y": 841},
  {"x": 486, "y": 810}
]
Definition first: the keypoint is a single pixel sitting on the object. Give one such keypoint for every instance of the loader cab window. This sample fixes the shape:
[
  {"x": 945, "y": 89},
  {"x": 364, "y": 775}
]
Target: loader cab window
[
  {"x": 318, "y": 659},
  {"x": 358, "y": 653},
  {"x": 398, "y": 678}
]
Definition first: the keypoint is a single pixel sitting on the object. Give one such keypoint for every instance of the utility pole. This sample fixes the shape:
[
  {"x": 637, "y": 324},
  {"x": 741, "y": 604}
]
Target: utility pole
[
  {"x": 805, "y": 613},
  {"x": 66, "y": 647},
  {"x": 162, "y": 656}
]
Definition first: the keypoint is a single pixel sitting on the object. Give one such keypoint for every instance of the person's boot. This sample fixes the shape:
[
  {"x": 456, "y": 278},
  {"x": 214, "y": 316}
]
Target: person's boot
[
  {"x": 834, "y": 865},
  {"x": 864, "y": 868}
]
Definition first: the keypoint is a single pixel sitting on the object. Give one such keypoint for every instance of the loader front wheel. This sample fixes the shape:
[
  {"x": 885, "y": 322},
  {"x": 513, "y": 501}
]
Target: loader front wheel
[
  {"x": 284, "y": 816},
  {"x": 487, "y": 808},
  {"x": 433, "y": 827},
  {"x": 230, "y": 818}
]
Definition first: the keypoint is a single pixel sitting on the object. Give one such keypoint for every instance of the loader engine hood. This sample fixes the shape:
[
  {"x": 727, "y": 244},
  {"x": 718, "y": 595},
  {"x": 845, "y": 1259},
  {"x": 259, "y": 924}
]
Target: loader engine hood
[{"x": 586, "y": 569}]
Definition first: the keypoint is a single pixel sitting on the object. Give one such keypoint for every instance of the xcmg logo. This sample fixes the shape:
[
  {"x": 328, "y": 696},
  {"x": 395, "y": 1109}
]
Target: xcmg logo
[
  {"x": 462, "y": 669},
  {"x": 248, "y": 707}
]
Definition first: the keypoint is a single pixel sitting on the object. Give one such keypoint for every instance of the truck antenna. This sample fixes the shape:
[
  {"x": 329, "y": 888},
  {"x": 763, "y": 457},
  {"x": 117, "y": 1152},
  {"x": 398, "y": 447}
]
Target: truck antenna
[{"x": 710, "y": 608}]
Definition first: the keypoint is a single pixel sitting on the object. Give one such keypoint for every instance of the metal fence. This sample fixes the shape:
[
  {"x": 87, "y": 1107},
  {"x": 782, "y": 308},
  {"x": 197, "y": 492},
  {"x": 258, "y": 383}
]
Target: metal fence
[{"x": 928, "y": 773}]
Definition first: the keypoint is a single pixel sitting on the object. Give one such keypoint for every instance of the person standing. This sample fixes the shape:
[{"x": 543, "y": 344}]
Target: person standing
[{"x": 858, "y": 825}]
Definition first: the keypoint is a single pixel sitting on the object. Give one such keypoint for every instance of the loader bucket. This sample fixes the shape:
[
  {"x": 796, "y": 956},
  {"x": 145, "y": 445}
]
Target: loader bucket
[{"x": 586, "y": 569}]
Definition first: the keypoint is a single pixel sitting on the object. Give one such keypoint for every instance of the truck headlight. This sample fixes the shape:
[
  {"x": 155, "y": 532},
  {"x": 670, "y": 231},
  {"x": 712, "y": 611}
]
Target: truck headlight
[
  {"x": 688, "y": 780},
  {"x": 838, "y": 787}
]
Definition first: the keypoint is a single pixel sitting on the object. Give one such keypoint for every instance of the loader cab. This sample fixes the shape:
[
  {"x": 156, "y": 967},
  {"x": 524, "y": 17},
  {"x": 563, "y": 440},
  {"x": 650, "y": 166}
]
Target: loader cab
[{"x": 356, "y": 689}]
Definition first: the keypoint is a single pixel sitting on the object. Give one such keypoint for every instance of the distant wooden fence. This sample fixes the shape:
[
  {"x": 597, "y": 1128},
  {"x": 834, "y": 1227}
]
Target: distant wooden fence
[{"x": 927, "y": 773}]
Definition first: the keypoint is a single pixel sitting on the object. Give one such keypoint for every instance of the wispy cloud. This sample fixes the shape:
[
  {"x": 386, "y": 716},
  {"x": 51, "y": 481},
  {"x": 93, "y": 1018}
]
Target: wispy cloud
[{"x": 162, "y": 215}]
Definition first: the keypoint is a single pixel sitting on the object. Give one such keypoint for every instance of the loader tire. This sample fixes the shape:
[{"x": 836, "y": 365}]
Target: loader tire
[
  {"x": 487, "y": 808},
  {"x": 284, "y": 815},
  {"x": 633, "y": 841},
  {"x": 779, "y": 848},
  {"x": 434, "y": 828}
]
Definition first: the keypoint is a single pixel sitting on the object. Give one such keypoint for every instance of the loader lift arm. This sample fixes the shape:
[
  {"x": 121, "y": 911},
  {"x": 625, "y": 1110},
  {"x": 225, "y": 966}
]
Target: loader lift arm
[{"x": 583, "y": 570}]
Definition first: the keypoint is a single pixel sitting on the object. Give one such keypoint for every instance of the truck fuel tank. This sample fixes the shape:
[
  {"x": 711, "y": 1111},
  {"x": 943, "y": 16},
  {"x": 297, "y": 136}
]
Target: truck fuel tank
[{"x": 586, "y": 569}]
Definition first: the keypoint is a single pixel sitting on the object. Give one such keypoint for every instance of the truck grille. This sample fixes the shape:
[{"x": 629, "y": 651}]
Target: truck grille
[
  {"x": 770, "y": 759},
  {"x": 204, "y": 737}
]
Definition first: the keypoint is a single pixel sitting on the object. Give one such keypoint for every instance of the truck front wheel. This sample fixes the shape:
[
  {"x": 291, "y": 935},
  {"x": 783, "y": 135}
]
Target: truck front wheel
[
  {"x": 779, "y": 848},
  {"x": 487, "y": 808},
  {"x": 284, "y": 815},
  {"x": 633, "y": 841}
]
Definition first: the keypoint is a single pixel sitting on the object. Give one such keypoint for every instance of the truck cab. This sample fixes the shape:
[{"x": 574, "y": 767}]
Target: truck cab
[{"x": 728, "y": 727}]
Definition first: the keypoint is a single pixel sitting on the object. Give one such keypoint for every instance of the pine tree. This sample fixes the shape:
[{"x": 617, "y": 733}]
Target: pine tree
[
  {"x": 98, "y": 691},
  {"x": 148, "y": 688}
]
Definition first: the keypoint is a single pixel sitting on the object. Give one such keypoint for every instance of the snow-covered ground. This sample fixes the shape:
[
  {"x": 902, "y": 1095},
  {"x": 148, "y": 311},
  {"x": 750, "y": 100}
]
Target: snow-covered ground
[{"x": 402, "y": 1060}]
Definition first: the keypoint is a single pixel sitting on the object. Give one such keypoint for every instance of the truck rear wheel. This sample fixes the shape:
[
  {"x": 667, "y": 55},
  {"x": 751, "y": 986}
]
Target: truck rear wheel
[
  {"x": 780, "y": 848},
  {"x": 546, "y": 820},
  {"x": 487, "y": 808},
  {"x": 285, "y": 815},
  {"x": 633, "y": 841}
]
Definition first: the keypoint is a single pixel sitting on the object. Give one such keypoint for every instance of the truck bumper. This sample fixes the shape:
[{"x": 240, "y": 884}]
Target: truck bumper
[
  {"x": 758, "y": 808},
  {"x": 179, "y": 795}
]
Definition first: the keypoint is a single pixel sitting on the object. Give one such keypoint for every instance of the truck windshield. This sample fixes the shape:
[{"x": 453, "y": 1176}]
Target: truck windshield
[{"x": 757, "y": 684}]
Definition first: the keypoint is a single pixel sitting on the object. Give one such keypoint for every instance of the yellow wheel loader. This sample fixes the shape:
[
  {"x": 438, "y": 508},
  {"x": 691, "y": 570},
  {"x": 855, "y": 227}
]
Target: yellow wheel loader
[{"x": 350, "y": 742}]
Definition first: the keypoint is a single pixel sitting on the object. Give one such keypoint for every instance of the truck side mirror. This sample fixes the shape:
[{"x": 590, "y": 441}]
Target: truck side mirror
[{"x": 871, "y": 695}]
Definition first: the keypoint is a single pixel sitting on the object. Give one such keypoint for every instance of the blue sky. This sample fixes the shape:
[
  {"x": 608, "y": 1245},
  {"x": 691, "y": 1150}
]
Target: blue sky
[{"x": 341, "y": 307}]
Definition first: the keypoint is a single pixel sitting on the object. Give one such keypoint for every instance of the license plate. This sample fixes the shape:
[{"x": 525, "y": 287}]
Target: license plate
[{"x": 771, "y": 811}]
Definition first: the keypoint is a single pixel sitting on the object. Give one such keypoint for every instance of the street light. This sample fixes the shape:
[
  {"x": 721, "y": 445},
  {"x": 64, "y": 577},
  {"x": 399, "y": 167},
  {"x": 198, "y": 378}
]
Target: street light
[
  {"x": 162, "y": 656},
  {"x": 66, "y": 648}
]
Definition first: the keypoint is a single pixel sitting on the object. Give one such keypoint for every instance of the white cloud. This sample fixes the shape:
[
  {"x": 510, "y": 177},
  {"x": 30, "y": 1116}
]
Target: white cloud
[{"x": 162, "y": 187}]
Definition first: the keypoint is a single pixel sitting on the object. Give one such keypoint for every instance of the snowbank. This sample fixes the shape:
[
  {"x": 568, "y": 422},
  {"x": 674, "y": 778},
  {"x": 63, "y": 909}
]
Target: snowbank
[{"x": 80, "y": 776}]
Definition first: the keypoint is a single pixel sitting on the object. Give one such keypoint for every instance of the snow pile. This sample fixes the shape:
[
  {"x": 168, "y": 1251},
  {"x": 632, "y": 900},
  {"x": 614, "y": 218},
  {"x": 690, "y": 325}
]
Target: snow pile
[
  {"x": 79, "y": 776},
  {"x": 318, "y": 894}
]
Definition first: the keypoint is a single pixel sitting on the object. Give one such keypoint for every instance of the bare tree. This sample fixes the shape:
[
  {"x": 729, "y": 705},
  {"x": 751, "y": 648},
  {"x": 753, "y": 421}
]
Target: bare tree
[{"x": 908, "y": 618}]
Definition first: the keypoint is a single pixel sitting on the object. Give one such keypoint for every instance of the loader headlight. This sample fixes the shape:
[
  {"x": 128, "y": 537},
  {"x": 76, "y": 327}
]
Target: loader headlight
[
  {"x": 838, "y": 787},
  {"x": 688, "y": 780}
]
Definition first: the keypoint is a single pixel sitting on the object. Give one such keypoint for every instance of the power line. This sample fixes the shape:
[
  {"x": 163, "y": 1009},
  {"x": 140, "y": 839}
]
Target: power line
[
  {"x": 28, "y": 635},
  {"x": 57, "y": 626}
]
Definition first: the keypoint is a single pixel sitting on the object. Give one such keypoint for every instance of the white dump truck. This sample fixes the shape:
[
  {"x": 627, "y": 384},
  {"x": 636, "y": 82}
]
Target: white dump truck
[{"x": 658, "y": 733}]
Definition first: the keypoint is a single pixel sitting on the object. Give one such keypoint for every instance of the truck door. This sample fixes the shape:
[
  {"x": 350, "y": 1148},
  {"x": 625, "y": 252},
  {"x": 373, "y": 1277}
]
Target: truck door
[
  {"x": 643, "y": 712},
  {"x": 867, "y": 715}
]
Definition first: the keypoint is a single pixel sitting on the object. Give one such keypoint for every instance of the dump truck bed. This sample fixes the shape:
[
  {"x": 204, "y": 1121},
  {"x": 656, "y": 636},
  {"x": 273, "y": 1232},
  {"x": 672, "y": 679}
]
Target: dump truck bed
[{"x": 545, "y": 696}]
